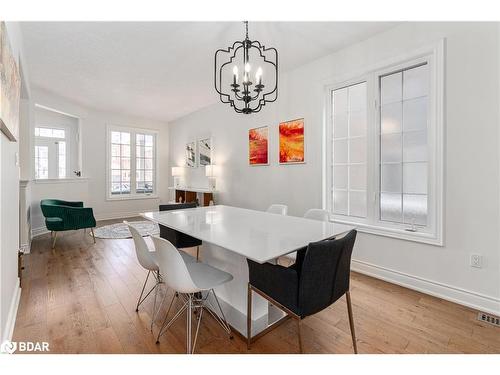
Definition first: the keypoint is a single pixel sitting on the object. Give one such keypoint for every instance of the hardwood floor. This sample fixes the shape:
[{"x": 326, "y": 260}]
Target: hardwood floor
[{"x": 82, "y": 300}]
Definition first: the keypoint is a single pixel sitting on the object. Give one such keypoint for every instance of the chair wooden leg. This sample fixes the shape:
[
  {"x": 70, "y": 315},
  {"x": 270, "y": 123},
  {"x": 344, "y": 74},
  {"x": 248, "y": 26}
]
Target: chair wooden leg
[
  {"x": 249, "y": 317},
  {"x": 351, "y": 321},
  {"x": 197, "y": 253},
  {"x": 299, "y": 325},
  {"x": 93, "y": 235}
]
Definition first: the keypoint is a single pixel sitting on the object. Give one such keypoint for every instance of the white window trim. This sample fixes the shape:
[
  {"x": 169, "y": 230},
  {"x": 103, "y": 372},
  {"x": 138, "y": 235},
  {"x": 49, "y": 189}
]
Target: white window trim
[
  {"x": 132, "y": 195},
  {"x": 434, "y": 55},
  {"x": 65, "y": 139}
]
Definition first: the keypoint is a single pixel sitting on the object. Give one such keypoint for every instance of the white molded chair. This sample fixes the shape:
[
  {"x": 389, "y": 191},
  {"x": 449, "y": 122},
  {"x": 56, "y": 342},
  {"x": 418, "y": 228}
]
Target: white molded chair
[
  {"x": 280, "y": 209},
  {"x": 317, "y": 214},
  {"x": 147, "y": 259},
  {"x": 189, "y": 279}
]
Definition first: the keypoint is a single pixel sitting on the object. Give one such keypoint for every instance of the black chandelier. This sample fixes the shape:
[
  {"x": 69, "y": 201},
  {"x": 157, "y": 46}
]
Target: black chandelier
[{"x": 246, "y": 97}]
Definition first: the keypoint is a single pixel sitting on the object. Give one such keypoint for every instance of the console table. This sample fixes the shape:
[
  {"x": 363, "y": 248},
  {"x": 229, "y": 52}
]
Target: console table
[{"x": 202, "y": 196}]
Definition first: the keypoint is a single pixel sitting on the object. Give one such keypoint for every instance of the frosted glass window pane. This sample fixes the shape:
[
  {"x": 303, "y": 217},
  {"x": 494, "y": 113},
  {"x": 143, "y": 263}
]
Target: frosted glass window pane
[
  {"x": 340, "y": 125},
  {"x": 340, "y": 103},
  {"x": 115, "y": 150},
  {"x": 340, "y": 202},
  {"x": 148, "y": 175},
  {"x": 415, "y": 82},
  {"x": 357, "y": 150},
  {"x": 415, "y": 146},
  {"x": 357, "y": 177},
  {"x": 58, "y": 133},
  {"x": 340, "y": 151},
  {"x": 340, "y": 177},
  {"x": 415, "y": 114},
  {"x": 357, "y": 97},
  {"x": 415, "y": 178},
  {"x": 391, "y": 148},
  {"x": 115, "y": 163},
  {"x": 390, "y": 87},
  {"x": 391, "y": 118},
  {"x": 148, "y": 152},
  {"x": 415, "y": 209},
  {"x": 391, "y": 178},
  {"x": 149, "y": 140},
  {"x": 357, "y": 123},
  {"x": 357, "y": 203},
  {"x": 390, "y": 207},
  {"x": 148, "y": 163}
]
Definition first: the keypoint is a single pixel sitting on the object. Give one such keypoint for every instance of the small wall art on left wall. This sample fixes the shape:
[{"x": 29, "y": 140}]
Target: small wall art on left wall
[{"x": 10, "y": 88}]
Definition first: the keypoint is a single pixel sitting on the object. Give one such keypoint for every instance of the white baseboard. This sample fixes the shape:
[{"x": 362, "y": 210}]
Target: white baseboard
[
  {"x": 450, "y": 293},
  {"x": 116, "y": 215},
  {"x": 99, "y": 217},
  {"x": 11, "y": 318}
]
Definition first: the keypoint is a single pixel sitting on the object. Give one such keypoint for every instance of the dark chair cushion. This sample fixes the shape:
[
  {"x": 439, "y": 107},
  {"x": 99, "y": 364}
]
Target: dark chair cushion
[{"x": 178, "y": 239}]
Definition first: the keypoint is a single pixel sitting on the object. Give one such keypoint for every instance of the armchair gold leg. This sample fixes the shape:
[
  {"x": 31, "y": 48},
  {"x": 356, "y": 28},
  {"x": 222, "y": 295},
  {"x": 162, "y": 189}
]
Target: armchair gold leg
[
  {"x": 93, "y": 235},
  {"x": 299, "y": 325},
  {"x": 54, "y": 240},
  {"x": 351, "y": 321},
  {"x": 249, "y": 317}
]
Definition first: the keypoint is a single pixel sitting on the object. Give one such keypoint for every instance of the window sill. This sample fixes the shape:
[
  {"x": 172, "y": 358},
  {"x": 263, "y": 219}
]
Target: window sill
[
  {"x": 132, "y": 197},
  {"x": 60, "y": 180},
  {"x": 401, "y": 234}
]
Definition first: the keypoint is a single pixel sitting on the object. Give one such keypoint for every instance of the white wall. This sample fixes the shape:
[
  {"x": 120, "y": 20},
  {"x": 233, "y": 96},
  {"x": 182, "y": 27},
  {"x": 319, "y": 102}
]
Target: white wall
[
  {"x": 9, "y": 207},
  {"x": 92, "y": 189},
  {"x": 471, "y": 158}
]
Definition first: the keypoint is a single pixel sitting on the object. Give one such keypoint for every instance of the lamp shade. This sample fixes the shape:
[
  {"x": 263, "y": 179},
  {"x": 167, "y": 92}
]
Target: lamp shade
[
  {"x": 177, "y": 171},
  {"x": 209, "y": 171}
]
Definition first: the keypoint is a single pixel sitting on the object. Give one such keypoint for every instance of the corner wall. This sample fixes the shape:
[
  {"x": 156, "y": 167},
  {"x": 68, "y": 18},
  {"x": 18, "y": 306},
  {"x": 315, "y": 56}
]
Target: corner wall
[{"x": 471, "y": 158}]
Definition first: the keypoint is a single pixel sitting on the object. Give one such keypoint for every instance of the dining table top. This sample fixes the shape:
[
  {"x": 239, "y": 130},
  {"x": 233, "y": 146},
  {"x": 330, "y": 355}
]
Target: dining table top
[{"x": 256, "y": 235}]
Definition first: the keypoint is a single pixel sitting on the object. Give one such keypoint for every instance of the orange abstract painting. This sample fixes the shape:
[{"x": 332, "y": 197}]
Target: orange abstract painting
[
  {"x": 292, "y": 141},
  {"x": 258, "y": 146}
]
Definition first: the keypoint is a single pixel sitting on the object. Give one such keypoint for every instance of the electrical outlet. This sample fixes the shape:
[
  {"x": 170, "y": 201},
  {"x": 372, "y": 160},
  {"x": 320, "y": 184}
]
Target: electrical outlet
[{"x": 476, "y": 260}]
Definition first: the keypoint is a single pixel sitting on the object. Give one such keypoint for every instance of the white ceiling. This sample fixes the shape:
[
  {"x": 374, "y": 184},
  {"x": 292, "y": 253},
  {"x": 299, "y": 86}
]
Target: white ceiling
[{"x": 163, "y": 70}]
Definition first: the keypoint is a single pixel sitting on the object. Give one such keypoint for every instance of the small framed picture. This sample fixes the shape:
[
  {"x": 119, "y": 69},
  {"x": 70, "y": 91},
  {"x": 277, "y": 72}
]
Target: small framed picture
[
  {"x": 258, "y": 146},
  {"x": 205, "y": 152},
  {"x": 191, "y": 154},
  {"x": 292, "y": 145}
]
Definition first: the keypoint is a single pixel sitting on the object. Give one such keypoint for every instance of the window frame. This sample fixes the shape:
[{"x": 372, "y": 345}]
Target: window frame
[
  {"x": 133, "y": 159},
  {"x": 433, "y": 55}
]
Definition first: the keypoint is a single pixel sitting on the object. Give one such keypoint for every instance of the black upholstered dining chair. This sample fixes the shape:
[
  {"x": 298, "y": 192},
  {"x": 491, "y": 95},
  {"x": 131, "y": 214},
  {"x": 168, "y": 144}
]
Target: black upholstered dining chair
[
  {"x": 318, "y": 278},
  {"x": 178, "y": 239}
]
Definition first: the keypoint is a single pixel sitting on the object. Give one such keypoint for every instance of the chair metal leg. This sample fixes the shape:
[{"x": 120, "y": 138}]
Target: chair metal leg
[
  {"x": 299, "y": 325},
  {"x": 249, "y": 317},
  {"x": 164, "y": 328},
  {"x": 200, "y": 314},
  {"x": 143, "y": 287},
  {"x": 188, "y": 327},
  {"x": 93, "y": 235},
  {"x": 157, "y": 286},
  {"x": 54, "y": 240},
  {"x": 351, "y": 321}
]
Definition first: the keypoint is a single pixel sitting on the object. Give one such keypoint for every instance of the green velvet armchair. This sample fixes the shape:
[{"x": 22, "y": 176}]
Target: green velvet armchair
[{"x": 62, "y": 215}]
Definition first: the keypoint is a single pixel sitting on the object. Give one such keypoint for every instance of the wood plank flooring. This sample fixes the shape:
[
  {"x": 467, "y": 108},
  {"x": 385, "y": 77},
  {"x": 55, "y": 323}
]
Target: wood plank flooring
[{"x": 82, "y": 300}]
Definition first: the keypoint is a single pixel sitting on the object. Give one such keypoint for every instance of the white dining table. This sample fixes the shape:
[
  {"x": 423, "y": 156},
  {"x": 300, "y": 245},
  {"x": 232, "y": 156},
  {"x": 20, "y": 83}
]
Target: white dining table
[{"x": 231, "y": 235}]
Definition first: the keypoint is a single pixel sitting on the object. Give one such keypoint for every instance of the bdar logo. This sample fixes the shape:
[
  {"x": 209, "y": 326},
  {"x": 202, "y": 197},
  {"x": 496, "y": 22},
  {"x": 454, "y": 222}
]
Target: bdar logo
[{"x": 8, "y": 347}]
